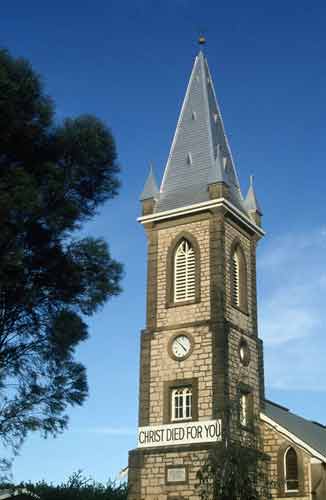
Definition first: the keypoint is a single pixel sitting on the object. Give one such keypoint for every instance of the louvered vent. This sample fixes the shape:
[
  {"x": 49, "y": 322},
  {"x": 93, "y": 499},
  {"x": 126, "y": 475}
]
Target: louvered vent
[
  {"x": 236, "y": 279},
  {"x": 184, "y": 272}
]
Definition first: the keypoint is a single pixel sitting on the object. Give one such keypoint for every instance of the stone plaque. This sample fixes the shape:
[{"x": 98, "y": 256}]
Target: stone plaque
[{"x": 176, "y": 474}]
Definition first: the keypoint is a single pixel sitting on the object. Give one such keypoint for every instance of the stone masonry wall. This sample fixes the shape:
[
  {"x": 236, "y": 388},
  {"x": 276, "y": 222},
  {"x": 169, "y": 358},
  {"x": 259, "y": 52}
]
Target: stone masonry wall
[
  {"x": 164, "y": 369},
  {"x": 246, "y": 374},
  {"x": 167, "y": 316},
  {"x": 152, "y": 476},
  {"x": 273, "y": 442},
  {"x": 242, "y": 324},
  {"x": 234, "y": 315}
]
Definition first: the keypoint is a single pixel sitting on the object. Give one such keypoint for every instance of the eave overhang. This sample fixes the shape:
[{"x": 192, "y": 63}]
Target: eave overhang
[{"x": 201, "y": 207}]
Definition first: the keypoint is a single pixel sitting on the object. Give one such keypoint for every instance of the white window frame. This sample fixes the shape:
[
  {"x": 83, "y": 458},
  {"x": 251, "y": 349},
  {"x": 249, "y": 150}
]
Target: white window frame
[
  {"x": 184, "y": 272},
  {"x": 236, "y": 278},
  {"x": 286, "y": 489},
  {"x": 181, "y": 403},
  {"x": 244, "y": 400}
]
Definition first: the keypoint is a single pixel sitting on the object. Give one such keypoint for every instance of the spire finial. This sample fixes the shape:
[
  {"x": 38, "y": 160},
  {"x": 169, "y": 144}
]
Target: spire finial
[
  {"x": 251, "y": 180},
  {"x": 201, "y": 40}
]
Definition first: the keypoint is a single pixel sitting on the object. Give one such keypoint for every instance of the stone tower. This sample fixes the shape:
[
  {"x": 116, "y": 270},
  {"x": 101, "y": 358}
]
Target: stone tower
[{"x": 200, "y": 347}]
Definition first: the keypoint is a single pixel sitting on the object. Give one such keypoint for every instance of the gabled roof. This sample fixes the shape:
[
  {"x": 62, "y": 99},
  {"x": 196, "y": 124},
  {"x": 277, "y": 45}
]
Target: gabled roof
[
  {"x": 312, "y": 434},
  {"x": 198, "y": 139}
]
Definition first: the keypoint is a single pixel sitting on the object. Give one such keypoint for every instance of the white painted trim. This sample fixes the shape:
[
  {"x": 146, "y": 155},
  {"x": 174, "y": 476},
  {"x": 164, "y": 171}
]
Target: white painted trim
[
  {"x": 200, "y": 207},
  {"x": 310, "y": 480},
  {"x": 292, "y": 437}
]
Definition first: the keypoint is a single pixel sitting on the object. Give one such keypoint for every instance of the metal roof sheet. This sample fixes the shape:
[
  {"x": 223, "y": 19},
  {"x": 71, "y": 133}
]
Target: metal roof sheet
[{"x": 311, "y": 433}]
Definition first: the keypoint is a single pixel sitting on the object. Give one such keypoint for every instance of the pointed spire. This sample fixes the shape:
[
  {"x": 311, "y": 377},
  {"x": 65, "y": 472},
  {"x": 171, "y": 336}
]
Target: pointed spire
[
  {"x": 150, "y": 189},
  {"x": 251, "y": 202},
  {"x": 199, "y": 132}
]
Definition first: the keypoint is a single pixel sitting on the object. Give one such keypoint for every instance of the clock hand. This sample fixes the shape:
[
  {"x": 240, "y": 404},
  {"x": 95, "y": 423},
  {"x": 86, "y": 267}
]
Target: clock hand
[{"x": 183, "y": 347}]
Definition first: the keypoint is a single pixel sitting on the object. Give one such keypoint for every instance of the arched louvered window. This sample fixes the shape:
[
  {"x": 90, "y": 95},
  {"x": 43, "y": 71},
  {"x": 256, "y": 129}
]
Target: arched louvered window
[
  {"x": 184, "y": 272},
  {"x": 235, "y": 278},
  {"x": 238, "y": 278},
  {"x": 291, "y": 474}
]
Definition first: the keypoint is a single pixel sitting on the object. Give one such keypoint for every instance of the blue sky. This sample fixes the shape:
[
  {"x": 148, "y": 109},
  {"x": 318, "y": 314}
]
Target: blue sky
[{"x": 128, "y": 62}]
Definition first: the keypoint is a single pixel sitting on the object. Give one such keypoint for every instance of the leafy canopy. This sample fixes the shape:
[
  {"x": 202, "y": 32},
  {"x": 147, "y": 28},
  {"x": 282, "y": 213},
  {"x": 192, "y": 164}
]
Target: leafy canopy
[
  {"x": 236, "y": 468},
  {"x": 53, "y": 178},
  {"x": 78, "y": 487}
]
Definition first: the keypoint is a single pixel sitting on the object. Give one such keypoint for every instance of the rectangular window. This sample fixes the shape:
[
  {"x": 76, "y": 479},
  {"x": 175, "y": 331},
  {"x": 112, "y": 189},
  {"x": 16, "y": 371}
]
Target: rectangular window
[
  {"x": 244, "y": 409},
  {"x": 180, "y": 400},
  {"x": 245, "y": 406},
  {"x": 181, "y": 403}
]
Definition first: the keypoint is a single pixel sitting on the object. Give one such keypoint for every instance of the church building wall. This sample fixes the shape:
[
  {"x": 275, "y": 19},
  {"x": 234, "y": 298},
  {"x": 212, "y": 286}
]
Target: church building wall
[
  {"x": 151, "y": 476},
  {"x": 241, "y": 318},
  {"x": 169, "y": 234},
  {"x": 275, "y": 446}
]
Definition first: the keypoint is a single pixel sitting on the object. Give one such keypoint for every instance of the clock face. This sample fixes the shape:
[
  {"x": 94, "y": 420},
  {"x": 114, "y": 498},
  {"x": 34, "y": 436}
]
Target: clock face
[{"x": 181, "y": 346}]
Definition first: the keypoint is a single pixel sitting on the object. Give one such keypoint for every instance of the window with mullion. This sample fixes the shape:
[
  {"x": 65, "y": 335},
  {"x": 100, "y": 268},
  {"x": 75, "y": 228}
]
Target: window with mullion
[{"x": 181, "y": 404}]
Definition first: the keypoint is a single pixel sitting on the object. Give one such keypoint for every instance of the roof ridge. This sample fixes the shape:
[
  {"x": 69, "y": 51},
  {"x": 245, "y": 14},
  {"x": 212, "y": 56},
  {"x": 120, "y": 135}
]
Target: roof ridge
[
  {"x": 166, "y": 170},
  {"x": 223, "y": 127},
  {"x": 208, "y": 118},
  {"x": 276, "y": 404}
]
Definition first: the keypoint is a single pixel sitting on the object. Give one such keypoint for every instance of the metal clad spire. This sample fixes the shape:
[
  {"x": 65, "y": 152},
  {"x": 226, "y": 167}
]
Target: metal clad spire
[
  {"x": 251, "y": 202},
  {"x": 192, "y": 161},
  {"x": 150, "y": 189}
]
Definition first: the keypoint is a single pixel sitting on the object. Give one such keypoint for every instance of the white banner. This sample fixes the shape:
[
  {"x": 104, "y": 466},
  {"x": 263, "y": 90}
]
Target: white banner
[{"x": 183, "y": 433}]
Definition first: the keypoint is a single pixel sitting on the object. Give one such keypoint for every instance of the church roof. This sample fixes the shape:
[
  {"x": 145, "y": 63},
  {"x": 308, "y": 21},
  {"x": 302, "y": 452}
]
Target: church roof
[
  {"x": 311, "y": 433},
  {"x": 200, "y": 152}
]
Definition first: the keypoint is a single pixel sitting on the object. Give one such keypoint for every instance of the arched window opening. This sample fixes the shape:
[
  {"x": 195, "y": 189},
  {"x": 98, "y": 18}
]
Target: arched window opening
[
  {"x": 238, "y": 278},
  {"x": 184, "y": 272},
  {"x": 182, "y": 403},
  {"x": 291, "y": 474},
  {"x": 244, "y": 409}
]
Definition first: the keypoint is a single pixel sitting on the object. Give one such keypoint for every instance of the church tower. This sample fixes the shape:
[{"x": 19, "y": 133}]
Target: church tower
[{"x": 200, "y": 348}]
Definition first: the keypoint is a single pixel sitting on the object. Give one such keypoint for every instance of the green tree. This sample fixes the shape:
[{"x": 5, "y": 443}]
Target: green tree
[
  {"x": 53, "y": 178},
  {"x": 236, "y": 468},
  {"x": 78, "y": 487}
]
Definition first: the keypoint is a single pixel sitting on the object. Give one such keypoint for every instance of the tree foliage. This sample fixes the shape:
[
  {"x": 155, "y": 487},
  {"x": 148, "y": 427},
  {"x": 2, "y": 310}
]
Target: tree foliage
[
  {"x": 53, "y": 178},
  {"x": 236, "y": 468},
  {"x": 78, "y": 487}
]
